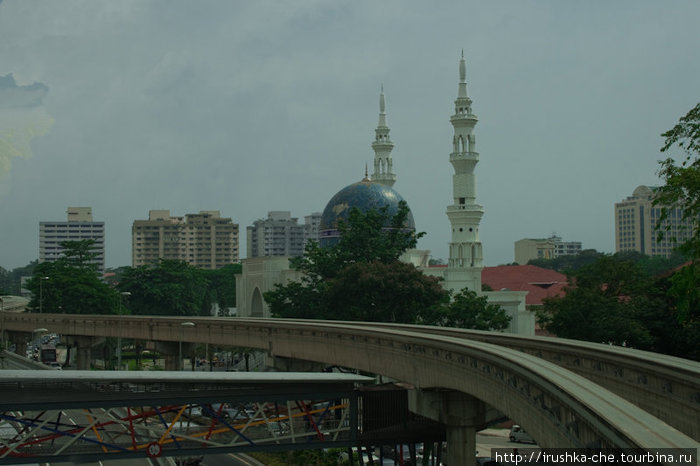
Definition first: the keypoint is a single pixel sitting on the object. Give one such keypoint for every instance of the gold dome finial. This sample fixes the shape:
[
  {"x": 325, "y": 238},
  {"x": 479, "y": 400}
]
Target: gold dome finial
[{"x": 366, "y": 178}]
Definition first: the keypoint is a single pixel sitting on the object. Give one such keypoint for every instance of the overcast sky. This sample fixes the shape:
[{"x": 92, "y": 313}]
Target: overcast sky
[{"x": 247, "y": 107}]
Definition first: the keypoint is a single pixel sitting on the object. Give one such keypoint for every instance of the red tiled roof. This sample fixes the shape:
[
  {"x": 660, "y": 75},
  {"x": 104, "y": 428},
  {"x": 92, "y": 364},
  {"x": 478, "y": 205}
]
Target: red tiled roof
[{"x": 540, "y": 283}]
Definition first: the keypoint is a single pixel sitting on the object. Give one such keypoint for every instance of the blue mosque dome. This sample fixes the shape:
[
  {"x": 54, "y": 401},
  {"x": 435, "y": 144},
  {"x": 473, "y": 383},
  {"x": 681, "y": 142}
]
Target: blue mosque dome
[{"x": 366, "y": 195}]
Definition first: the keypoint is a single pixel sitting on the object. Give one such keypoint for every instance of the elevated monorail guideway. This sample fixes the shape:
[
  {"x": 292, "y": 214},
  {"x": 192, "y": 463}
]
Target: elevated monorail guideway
[
  {"x": 559, "y": 407},
  {"x": 665, "y": 386},
  {"x": 97, "y": 415}
]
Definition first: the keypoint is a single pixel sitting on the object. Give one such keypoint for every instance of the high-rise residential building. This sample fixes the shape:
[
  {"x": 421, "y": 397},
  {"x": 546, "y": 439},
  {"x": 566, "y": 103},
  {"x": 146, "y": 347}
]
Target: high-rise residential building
[
  {"x": 635, "y": 225},
  {"x": 312, "y": 223},
  {"x": 566, "y": 248},
  {"x": 78, "y": 227},
  {"x": 204, "y": 240},
  {"x": 279, "y": 234},
  {"x": 528, "y": 249}
]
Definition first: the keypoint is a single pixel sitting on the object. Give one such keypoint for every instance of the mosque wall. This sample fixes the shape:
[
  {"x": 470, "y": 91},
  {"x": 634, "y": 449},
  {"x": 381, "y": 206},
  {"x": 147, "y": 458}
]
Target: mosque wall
[
  {"x": 522, "y": 321},
  {"x": 258, "y": 275}
]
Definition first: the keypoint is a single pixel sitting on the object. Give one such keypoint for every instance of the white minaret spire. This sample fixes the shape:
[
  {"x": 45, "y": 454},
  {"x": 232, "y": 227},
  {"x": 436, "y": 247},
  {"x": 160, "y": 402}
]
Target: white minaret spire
[
  {"x": 466, "y": 256},
  {"x": 382, "y": 146}
]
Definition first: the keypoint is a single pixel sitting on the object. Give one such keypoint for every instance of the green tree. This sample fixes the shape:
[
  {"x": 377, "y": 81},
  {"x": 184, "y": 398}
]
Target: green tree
[
  {"x": 366, "y": 236},
  {"x": 363, "y": 264},
  {"x": 222, "y": 284},
  {"x": 375, "y": 236},
  {"x": 169, "y": 287},
  {"x": 361, "y": 279},
  {"x": 11, "y": 281},
  {"x": 70, "y": 286},
  {"x": 5, "y": 281},
  {"x": 79, "y": 253},
  {"x": 383, "y": 292},
  {"x": 682, "y": 181},
  {"x": 682, "y": 190},
  {"x": 300, "y": 300},
  {"x": 610, "y": 301},
  {"x": 568, "y": 263},
  {"x": 468, "y": 310}
]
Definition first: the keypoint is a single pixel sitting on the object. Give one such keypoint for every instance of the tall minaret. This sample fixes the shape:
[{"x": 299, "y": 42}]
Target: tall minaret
[
  {"x": 466, "y": 257},
  {"x": 382, "y": 146}
]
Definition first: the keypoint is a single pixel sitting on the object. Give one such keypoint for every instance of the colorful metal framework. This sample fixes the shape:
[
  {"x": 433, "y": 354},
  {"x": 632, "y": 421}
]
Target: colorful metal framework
[{"x": 127, "y": 427}]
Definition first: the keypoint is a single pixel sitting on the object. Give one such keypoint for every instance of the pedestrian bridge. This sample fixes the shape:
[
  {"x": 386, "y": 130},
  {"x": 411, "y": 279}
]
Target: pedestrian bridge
[
  {"x": 53, "y": 416},
  {"x": 566, "y": 394}
]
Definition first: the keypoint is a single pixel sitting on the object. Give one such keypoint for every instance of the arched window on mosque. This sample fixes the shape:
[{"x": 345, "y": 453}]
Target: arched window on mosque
[
  {"x": 462, "y": 145},
  {"x": 256, "y": 304}
]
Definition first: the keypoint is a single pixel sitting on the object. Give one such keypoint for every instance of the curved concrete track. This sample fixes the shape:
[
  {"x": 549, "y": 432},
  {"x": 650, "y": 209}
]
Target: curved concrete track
[
  {"x": 560, "y": 408},
  {"x": 665, "y": 386}
]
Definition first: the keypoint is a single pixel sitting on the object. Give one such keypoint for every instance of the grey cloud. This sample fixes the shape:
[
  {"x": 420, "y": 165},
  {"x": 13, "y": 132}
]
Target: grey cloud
[
  {"x": 22, "y": 117},
  {"x": 246, "y": 107},
  {"x": 14, "y": 96}
]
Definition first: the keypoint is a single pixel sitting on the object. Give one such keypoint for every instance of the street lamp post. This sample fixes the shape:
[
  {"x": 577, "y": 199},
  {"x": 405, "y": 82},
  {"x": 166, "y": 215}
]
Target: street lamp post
[
  {"x": 182, "y": 336},
  {"x": 119, "y": 330},
  {"x": 41, "y": 293}
]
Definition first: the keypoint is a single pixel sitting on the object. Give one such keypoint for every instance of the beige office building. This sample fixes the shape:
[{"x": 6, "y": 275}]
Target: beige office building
[
  {"x": 635, "y": 225},
  {"x": 204, "y": 240},
  {"x": 528, "y": 249}
]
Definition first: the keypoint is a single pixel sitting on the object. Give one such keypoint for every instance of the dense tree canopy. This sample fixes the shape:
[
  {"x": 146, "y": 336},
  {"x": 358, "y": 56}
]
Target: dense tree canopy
[
  {"x": 79, "y": 253},
  {"x": 469, "y": 310},
  {"x": 383, "y": 292},
  {"x": 71, "y": 285},
  {"x": 682, "y": 181},
  {"x": 173, "y": 287},
  {"x": 602, "y": 304},
  {"x": 5, "y": 282},
  {"x": 11, "y": 281},
  {"x": 222, "y": 284},
  {"x": 681, "y": 189},
  {"x": 615, "y": 300},
  {"x": 169, "y": 287},
  {"x": 361, "y": 279},
  {"x": 568, "y": 263},
  {"x": 358, "y": 278}
]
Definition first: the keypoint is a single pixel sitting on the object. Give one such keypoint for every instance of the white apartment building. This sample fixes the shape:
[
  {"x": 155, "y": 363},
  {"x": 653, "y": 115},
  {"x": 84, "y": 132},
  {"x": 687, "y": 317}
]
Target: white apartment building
[
  {"x": 565, "y": 248},
  {"x": 280, "y": 234},
  {"x": 204, "y": 240},
  {"x": 79, "y": 226},
  {"x": 312, "y": 224}
]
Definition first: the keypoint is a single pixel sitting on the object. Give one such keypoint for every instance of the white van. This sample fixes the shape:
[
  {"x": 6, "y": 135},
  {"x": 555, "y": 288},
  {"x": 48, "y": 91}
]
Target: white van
[{"x": 518, "y": 434}]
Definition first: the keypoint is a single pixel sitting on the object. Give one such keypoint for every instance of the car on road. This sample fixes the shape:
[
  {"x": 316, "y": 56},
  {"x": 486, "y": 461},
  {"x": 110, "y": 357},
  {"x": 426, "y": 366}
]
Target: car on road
[
  {"x": 54, "y": 365},
  {"x": 518, "y": 434}
]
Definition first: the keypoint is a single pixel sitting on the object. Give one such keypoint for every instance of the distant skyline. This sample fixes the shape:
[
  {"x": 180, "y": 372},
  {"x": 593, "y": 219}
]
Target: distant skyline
[{"x": 250, "y": 107}]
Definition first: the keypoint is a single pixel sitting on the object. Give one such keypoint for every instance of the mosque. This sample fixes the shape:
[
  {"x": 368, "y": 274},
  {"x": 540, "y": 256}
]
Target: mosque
[{"x": 465, "y": 263}]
